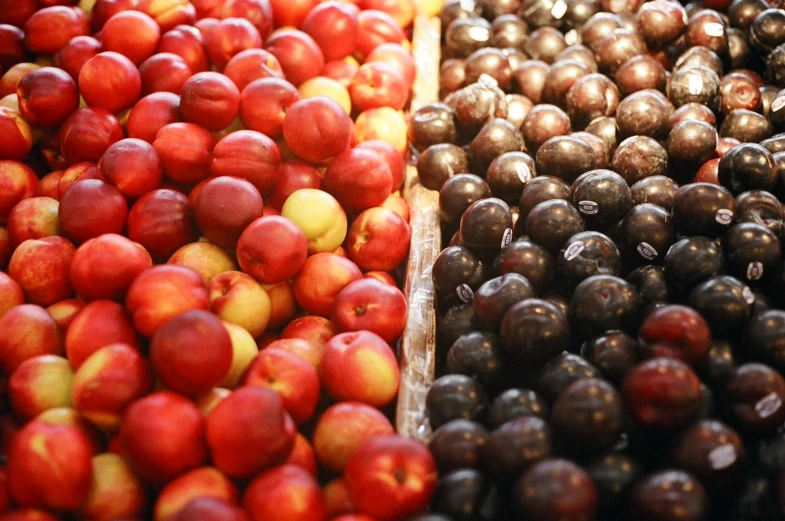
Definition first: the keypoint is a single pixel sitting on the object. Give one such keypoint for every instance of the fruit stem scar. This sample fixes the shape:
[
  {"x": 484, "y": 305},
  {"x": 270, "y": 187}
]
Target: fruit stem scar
[
  {"x": 359, "y": 311},
  {"x": 400, "y": 475}
]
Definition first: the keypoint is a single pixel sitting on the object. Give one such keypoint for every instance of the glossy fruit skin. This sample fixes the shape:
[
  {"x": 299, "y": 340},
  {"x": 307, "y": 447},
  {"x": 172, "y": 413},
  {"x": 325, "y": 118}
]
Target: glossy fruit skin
[
  {"x": 515, "y": 403},
  {"x": 614, "y": 474},
  {"x": 662, "y": 394},
  {"x": 587, "y": 254},
  {"x": 571, "y": 496},
  {"x": 725, "y": 303},
  {"x": 703, "y": 209},
  {"x": 608, "y": 191},
  {"x": 753, "y": 251},
  {"x": 615, "y": 353},
  {"x": 454, "y": 397},
  {"x": 587, "y": 415},
  {"x": 534, "y": 330},
  {"x": 686, "y": 497},
  {"x": 753, "y": 397},
  {"x": 459, "y": 444},
  {"x": 602, "y": 303},
  {"x": 675, "y": 331},
  {"x": 463, "y": 494},
  {"x": 691, "y": 261},
  {"x": 515, "y": 445},
  {"x": 748, "y": 166},
  {"x": 711, "y": 450}
]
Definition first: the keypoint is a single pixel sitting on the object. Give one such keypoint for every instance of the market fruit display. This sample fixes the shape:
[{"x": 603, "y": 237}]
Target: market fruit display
[
  {"x": 610, "y": 319},
  {"x": 202, "y": 248}
]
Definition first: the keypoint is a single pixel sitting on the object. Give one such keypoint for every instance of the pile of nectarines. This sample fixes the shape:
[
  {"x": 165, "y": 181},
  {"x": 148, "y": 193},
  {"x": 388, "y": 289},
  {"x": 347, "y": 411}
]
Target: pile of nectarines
[{"x": 201, "y": 236}]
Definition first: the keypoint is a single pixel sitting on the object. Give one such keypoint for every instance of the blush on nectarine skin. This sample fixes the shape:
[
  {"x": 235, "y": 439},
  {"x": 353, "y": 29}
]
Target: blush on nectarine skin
[
  {"x": 264, "y": 104},
  {"x": 39, "y": 384},
  {"x": 108, "y": 381},
  {"x": 87, "y": 133},
  {"x": 229, "y": 37},
  {"x": 75, "y": 54},
  {"x": 249, "y": 155},
  {"x": 251, "y": 65},
  {"x": 360, "y": 367},
  {"x": 116, "y": 492},
  {"x": 162, "y": 436},
  {"x": 237, "y": 298},
  {"x": 151, "y": 114},
  {"x": 49, "y": 29},
  {"x": 210, "y": 100},
  {"x": 204, "y": 482},
  {"x": 272, "y": 264},
  {"x": 17, "y": 182},
  {"x": 162, "y": 221},
  {"x": 41, "y": 266},
  {"x": 164, "y": 72},
  {"x": 391, "y": 477},
  {"x": 343, "y": 428},
  {"x": 186, "y": 151},
  {"x": 91, "y": 208},
  {"x": 188, "y": 43},
  {"x": 161, "y": 293},
  {"x": 110, "y": 81},
  {"x": 28, "y": 331},
  {"x": 291, "y": 376},
  {"x": 334, "y": 27},
  {"x": 300, "y": 57},
  {"x": 11, "y": 294},
  {"x": 132, "y": 166},
  {"x": 192, "y": 352},
  {"x": 47, "y": 96},
  {"x": 317, "y": 129},
  {"x": 132, "y": 34},
  {"x": 104, "y": 267},
  {"x": 371, "y": 305},
  {"x": 249, "y": 431},
  {"x": 285, "y": 493},
  {"x": 34, "y": 218},
  {"x": 322, "y": 277},
  {"x": 359, "y": 179},
  {"x": 220, "y": 226},
  {"x": 49, "y": 466},
  {"x": 98, "y": 324}
]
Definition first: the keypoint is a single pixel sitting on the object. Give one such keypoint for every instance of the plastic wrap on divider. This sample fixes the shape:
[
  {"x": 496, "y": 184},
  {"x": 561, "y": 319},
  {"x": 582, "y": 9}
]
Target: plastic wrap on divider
[{"x": 418, "y": 347}]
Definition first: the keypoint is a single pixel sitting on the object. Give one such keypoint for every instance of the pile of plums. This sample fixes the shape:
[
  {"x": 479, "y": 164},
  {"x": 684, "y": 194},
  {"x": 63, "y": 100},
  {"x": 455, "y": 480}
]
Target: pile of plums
[{"x": 611, "y": 338}]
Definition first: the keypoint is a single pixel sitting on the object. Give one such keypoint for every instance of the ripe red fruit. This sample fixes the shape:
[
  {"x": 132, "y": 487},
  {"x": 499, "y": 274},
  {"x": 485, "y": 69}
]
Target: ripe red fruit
[
  {"x": 164, "y": 72},
  {"x": 132, "y": 34},
  {"x": 87, "y": 133},
  {"x": 391, "y": 477},
  {"x": 151, "y": 114},
  {"x": 192, "y": 353},
  {"x": 91, "y": 208},
  {"x": 162, "y": 221},
  {"x": 162, "y": 436},
  {"x": 47, "y": 96},
  {"x": 300, "y": 57},
  {"x": 317, "y": 129},
  {"x": 49, "y": 30},
  {"x": 110, "y": 81},
  {"x": 49, "y": 466},
  {"x": 104, "y": 267},
  {"x": 249, "y": 431},
  {"x": 132, "y": 166},
  {"x": 285, "y": 493},
  {"x": 211, "y": 100},
  {"x": 185, "y": 150},
  {"x": 219, "y": 226},
  {"x": 249, "y": 155}
]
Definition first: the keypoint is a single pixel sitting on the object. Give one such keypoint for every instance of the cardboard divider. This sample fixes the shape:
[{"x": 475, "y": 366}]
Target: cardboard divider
[{"x": 417, "y": 354}]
